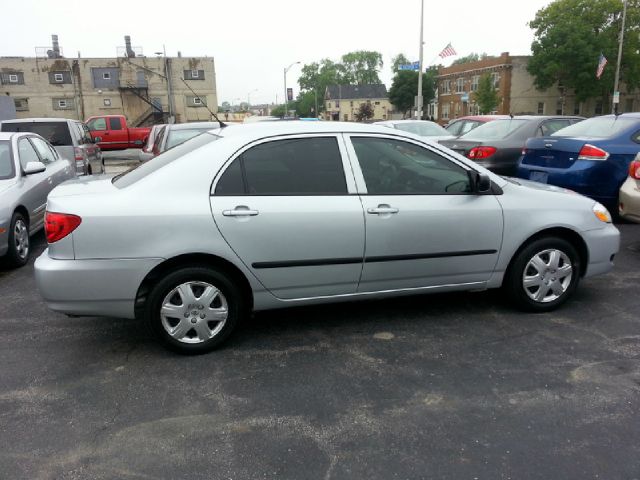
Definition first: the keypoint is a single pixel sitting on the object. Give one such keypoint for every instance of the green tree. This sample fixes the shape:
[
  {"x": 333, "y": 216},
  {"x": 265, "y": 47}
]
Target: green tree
[
  {"x": 361, "y": 67},
  {"x": 278, "y": 111},
  {"x": 570, "y": 35},
  {"x": 316, "y": 76},
  {"x": 306, "y": 104},
  {"x": 400, "y": 59},
  {"x": 405, "y": 87},
  {"x": 486, "y": 96},
  {"x": 472, "y": 57},
  {"x": 365, "y": 112}
]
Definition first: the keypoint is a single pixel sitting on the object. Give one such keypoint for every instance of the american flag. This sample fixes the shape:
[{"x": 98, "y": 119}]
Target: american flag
[
  {"x": 601, "y": 64},
  {"x": 447, "y": 52}
]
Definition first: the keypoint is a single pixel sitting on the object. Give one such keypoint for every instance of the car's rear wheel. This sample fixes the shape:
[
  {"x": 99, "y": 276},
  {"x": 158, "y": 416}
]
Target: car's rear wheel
[
  {"x": 194, "y": 309},
  {"x": 543, "y": 275},
  {"x": 19, "y": 242}
]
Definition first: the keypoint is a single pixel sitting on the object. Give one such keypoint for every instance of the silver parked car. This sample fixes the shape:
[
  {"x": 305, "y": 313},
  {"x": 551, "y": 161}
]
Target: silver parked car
[
  {"x": 70, "y": 138},
  {"x": 29, "y": 169},
  {"x": 276, "y": 214},
  {"x": 176, "y": 133}
]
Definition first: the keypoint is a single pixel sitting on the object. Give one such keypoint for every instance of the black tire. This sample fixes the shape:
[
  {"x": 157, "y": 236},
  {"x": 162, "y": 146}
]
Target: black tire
[
  {"x": 15, "y": 255},
  {"x": 232, "y": 295},
  {"x": 514, "y": 285}
]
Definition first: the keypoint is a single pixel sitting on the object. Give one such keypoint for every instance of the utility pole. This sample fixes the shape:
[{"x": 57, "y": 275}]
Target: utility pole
[
  {"x": 419, "y": 97},
  {"x": 616, "y": 92}
]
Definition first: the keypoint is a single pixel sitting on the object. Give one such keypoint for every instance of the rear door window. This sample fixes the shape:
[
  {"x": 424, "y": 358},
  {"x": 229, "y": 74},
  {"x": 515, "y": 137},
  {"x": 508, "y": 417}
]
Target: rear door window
[
  {"x": 115, "y": 123},
  {"x": 56, "y": 133},
  {"x": 301, "y": 166}
]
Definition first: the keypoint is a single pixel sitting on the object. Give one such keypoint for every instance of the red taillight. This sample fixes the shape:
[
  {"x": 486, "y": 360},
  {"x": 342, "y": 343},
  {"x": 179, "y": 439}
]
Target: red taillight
[
  {"x": 78, "y": 153},
  {"x": 634, "y": 169},
  {"x": 59, "y": 225},
  {"x": 479, "y": 153},
  {"x": 589, "y": 152}
]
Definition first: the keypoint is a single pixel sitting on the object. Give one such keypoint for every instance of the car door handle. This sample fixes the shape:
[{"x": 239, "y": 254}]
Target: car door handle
[
  {"x": 240, "y": 211},
  {"x": 382, "y": 209}
]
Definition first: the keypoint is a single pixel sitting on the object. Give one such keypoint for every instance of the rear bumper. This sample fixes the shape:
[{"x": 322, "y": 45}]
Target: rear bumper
[
  {"x": 602, "y": 245},
  {"x": 91, "y": 287},
  {"x": 629, "y": 206}
]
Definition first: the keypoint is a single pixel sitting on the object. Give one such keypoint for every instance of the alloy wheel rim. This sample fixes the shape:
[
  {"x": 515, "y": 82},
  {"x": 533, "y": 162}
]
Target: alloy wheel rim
[
  {"x": 547, "y": 275},
  {"x": 21, "y": 239},
  {"x": 194, "y": 312}
]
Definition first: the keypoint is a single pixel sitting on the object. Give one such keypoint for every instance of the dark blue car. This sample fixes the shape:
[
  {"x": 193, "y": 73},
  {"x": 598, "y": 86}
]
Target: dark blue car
[{"x": 591, "y": 157}]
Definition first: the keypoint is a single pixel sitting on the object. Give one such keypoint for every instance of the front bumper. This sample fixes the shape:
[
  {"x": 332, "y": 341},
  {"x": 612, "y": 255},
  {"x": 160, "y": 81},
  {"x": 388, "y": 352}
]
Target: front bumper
[
  {"x": 602, "y": 244},
  {"x": 91, "y": 287}
]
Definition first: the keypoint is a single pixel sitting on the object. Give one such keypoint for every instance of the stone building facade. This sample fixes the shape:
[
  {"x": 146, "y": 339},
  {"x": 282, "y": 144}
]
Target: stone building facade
[
  {"x": 342, "y": 102},
  {"x": 143, "y": 89}
]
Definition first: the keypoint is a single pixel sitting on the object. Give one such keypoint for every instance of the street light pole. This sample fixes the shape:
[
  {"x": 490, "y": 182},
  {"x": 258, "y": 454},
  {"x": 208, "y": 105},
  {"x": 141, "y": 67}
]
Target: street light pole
[
  {"x": 616, "y": 93},
  {"x": 419, "y": 98},
  {"x": 286, "y": 97}
]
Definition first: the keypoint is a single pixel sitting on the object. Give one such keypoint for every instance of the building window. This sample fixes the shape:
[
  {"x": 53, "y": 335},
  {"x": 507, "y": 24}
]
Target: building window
[
  {"x": 445, "y": 111},
  {"x": 446, "y": 87},
  {"x": 195, "y": 74},
  {"x": 13, "y": 78},
  {"x": 576, "y": 108},
  {"x": 460, "y": 85},
  {"x": 328, "y": 105},
  {"x": 337, "y": 104},
  {"x": 351, "y": 103},
  {"x": 598, "y": 110},
  {"x": 377, "y": 103},
  {"x": 346, "y": 117},
  {"x": 197, "y": 101},
  {"x": 495, "y": 78},
  {"x": 62, "y": 103},
  {"x": 559, "y": 108},
  {"x": 22, "y": 104},
  {"x": 540, "y": 108},
  {"x": 474, "y": 82},
  {"x": 58, "y": 77},
  {"x": 457, "y": 109},
  {"x": 106, "y": 102},
  {"x": 106, "y": 75}
]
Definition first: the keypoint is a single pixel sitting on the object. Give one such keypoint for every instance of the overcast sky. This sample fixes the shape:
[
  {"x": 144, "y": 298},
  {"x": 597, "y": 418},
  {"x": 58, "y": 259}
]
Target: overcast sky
[{"x": 253, "y": 40}]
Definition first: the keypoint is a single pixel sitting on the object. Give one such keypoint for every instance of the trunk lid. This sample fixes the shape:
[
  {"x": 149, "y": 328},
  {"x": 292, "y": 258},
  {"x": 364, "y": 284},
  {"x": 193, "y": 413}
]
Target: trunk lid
[
  {"x": 84, "y": 186},
  {"x": 460, "y": 146},
  {"x": 554, "y": 152}
]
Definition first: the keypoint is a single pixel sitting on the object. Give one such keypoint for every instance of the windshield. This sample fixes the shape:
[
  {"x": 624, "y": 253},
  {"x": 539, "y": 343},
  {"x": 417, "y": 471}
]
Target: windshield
[
  {"x": 176, "y": 137},
  {"x": 424, "y": 129},
  {"x": 143, "y": 169},
  {"x": 494, "y": 130},
  {"x": 6, "y": 164},
  {"x": 56, "y": 133},
  {"x": 598, "y": 127}
]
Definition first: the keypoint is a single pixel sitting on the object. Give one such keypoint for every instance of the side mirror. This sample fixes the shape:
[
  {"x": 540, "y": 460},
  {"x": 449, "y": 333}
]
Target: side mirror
[
  {"x": 481, "y": 183},
  {"x": 97, "y": 139},
  {"x": 34, "y": 167}
]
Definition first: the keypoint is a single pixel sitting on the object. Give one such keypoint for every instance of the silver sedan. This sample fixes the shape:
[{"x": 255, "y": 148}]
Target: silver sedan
[
  {"x": 29, "y": 169},
  {"x": 253, "y": 217}
]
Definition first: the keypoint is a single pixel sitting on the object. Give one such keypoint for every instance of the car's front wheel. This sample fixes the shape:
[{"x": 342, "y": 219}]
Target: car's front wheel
[
  {"x": 194, "y": 309},
  {"x": 19, "y": 242},
  {"x": 543, "y": 275}
]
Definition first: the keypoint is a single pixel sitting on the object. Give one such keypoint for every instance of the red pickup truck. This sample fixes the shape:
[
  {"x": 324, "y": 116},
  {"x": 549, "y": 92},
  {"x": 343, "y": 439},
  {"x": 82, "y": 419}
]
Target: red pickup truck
[{"x": 110, "y": 132}]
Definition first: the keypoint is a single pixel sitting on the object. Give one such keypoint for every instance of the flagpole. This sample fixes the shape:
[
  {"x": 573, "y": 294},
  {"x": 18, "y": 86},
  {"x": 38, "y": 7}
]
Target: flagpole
[
  {"x": 419, "y": 97},
  {"x": 616, "y": 93}
]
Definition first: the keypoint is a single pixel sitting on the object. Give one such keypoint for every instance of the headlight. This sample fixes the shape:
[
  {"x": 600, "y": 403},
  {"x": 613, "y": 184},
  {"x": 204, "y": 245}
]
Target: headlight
[{"x": 601, "y": 212}]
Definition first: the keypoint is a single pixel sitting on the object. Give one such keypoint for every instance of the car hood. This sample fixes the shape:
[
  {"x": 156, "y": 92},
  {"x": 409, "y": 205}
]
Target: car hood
[
  {"x": 84, "y": 185},
  {"x": 6, "y": 184},
  {"x": 538, "y": 186}
]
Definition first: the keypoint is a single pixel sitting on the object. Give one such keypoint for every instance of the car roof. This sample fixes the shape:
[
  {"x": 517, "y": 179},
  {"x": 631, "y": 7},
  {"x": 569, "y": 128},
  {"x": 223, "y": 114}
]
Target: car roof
[
  {"x": 191, "y": 125},
  {"x": 393, "y": 122},
  {"x": 480, "y": 117},
  {"x": 266, "y": 129},
  {"x": 43, "y": 119}
]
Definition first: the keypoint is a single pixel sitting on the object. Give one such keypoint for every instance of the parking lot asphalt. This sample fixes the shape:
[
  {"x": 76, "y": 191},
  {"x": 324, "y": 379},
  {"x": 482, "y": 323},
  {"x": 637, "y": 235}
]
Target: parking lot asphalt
[{"x": 454, "y": 386}]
